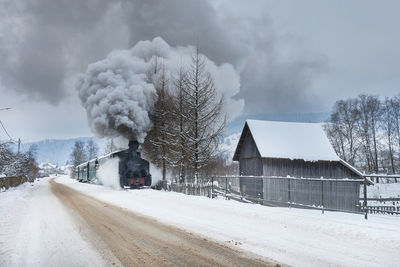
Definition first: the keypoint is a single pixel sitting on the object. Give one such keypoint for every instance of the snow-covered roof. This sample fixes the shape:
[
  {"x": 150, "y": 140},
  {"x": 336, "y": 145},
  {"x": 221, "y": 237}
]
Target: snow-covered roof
[
  {"x": 292, "y": 140},
  {"x": 47, "y": 165}
]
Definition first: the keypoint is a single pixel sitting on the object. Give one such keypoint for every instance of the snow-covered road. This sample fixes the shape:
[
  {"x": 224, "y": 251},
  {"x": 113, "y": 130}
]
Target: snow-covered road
[
  {"x": 290, "y": 236},
  {"x": 37, "y": 230}
]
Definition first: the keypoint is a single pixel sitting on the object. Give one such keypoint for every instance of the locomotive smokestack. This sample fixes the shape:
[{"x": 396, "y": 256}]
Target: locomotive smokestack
[{"x": 133, "y": 145}]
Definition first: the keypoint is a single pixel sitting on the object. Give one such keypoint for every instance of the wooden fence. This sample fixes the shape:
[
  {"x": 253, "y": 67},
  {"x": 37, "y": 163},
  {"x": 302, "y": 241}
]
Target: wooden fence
[
  {"x": 312, "y": 193},
  {"x": 393, "y": 210},
  {"x": 323, "y": 194},
  {"x": 201, "y": 189},
  {"x": 13, "y": 181}
]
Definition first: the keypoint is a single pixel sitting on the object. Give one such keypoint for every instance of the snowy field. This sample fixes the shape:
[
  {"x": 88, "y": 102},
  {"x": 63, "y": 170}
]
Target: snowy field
[
  {"x": 381, "y": 190},
  {"x": 36, "y": 230},
  {"x": 290, "y": 236}
]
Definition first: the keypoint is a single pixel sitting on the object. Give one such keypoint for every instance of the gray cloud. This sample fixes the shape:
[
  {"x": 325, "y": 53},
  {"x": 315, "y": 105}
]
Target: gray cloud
[
  {"x": 39, "y": 40},
  {"x": 182, "y": 22},
  {"x": 54, "y": 40}
]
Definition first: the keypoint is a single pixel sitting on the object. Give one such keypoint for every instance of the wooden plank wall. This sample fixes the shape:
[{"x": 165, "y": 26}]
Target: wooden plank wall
[
  {"x": 309, "y": 169},
  {"x": 336, "y": 195},
  {"x": 251, "y": 166},
  {"x": 252, "y": 187}
]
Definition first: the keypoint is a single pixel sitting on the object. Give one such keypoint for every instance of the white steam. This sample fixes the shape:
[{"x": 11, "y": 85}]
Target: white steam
[
  {"x": 108, "y": 175},
  {"x": 118, "y": 97},
  {"x": 156, "y": 174}
]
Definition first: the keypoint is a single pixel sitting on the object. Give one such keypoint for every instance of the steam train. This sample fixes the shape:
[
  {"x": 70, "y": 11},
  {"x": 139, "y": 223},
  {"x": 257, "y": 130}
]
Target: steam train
[{"x": 134, "y": 171}]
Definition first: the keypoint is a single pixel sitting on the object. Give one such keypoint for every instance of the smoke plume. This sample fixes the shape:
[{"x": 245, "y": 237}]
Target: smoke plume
[{"x": 118, "y": 97}]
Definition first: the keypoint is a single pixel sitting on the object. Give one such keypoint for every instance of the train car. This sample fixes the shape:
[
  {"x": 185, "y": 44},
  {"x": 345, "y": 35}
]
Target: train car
[{"x": 133, "y": 170}]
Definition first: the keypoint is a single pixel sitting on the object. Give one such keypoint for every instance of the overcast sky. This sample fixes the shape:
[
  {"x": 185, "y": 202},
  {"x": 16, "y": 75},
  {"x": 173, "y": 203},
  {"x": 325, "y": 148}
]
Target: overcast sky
[{"x": 292, "y": 56}]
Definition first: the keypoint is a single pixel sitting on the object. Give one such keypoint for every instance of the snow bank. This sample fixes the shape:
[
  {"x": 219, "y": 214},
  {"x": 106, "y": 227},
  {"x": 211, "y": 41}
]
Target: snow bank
[
  {"x": 37, "y": 230},
  {"x": 290, "y": 236}
]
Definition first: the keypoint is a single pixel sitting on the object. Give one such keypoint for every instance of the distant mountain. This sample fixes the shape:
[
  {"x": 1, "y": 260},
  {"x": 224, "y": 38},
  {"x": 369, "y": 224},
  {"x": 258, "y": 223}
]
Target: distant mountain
[{"x": 57, "y": 151}]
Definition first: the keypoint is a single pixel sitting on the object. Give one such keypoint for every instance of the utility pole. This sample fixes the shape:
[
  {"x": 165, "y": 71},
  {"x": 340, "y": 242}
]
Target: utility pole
[{"x": 1, "y": 124}]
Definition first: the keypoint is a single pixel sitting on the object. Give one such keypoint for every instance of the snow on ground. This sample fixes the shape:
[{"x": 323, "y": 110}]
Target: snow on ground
[
  {"x": 36, "y": 230},
  {"x": 381, "y": 190},
  {"x": 291, "y": 236}
]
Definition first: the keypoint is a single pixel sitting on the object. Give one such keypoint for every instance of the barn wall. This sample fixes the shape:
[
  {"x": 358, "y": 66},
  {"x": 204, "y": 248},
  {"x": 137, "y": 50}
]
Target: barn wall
[
  {"x": 252, "y": 187},
  {"x": 253, "y": 166},
  {"x": 249, "y": 148},
  {"x": 308, "y": 169},
  {"x": 334, "y": 194},
  {"x": 250, "y": 163}
]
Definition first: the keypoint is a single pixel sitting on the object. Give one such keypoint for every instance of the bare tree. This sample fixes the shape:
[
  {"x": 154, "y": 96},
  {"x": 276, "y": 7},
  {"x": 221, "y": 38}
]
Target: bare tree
[
  {"x": 396, "y": 118},
  {"x": 388, "y": 125},
  {"x": 205, "y": 118},
  {"x": 78, "y": 154},
  {"x": 374, "y": 107},
  {"x": 159, "y": 140},
  {"x": 110, "y": 146},
  {"x": 344, "y": 120},
  {"x": 188, "y": 119},
  {"x": 180, "y": 128},
  {"x": 365, "y": 130},
  {"x": 92, "y": 149},
  {"x": 18, "y": 164}
]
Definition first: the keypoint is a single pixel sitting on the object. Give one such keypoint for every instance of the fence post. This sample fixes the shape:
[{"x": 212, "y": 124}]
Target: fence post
[
  {"x": 289, "y": 191},
  {"x": 226, "y": 188},
  {"x": 365, "y": 198},
  {"x": 322, "y": 195},
  {"x": 212, "y": 186}
]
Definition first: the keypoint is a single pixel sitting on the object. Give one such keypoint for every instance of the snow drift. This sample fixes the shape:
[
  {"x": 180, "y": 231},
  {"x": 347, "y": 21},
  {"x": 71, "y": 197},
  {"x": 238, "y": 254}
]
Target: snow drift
[{"x": 118, "y": 95}]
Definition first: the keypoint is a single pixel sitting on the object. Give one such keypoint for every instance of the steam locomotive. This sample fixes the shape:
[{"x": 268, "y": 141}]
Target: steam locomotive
[{"x": 133, "y": 169}]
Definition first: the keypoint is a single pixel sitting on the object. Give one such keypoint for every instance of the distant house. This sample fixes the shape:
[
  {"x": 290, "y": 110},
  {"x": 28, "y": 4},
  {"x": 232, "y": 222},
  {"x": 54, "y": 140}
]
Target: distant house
[
  {"x": 45, "y": 169},
  {"x": 286, "y": 149}
]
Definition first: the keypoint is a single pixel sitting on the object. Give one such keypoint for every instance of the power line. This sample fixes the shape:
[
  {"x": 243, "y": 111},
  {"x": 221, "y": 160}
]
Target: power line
[{"x": 4, "y": 128}]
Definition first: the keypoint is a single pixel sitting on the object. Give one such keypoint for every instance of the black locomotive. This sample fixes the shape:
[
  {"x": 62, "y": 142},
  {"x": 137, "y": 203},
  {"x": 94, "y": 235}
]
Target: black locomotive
[{"x": 134, "y": 171}]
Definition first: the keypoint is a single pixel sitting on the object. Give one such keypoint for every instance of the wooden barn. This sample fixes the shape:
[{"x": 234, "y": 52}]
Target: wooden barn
[{"x": 298, "y": 165}]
